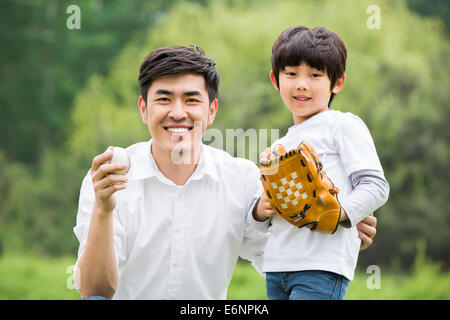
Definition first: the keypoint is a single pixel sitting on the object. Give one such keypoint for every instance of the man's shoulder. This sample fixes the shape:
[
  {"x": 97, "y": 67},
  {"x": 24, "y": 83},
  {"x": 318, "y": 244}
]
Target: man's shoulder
[
  {"x": 136, "y": 147},
  {"x": 224, "y": 161}
]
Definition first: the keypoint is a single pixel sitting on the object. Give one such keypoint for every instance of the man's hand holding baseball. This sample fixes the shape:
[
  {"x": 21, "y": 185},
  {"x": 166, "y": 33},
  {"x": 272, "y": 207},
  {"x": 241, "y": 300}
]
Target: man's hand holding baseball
[{"x": 105, "y": 181}]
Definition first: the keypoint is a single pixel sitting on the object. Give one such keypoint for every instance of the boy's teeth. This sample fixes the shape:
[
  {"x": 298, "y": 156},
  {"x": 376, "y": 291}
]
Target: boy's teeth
[{"x": 178, "y": 130}]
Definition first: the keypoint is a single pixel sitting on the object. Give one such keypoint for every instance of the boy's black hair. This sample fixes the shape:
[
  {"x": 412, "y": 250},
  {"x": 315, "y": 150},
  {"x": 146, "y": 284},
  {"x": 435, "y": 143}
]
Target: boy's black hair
[
  {"x": 178, "y": 59},
  {"x": 319, "y": 47}
]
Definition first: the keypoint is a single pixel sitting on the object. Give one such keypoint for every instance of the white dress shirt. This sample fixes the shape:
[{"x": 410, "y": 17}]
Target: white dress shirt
[{"x": 181, "y": 242}]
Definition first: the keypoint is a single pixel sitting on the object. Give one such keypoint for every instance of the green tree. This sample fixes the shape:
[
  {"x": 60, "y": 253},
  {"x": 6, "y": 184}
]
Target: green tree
[
  {"x": 44, "y": 64},
  {"x": 397, "y": 80}
]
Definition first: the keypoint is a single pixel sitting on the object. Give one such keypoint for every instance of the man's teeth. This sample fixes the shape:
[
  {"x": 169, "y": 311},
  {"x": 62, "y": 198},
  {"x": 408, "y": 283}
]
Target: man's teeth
[{"x": 178, "y": 130}]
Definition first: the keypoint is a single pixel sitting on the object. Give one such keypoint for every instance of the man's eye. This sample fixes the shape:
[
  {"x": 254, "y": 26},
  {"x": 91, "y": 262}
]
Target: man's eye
[
  {"x": 163, "y": 99},
  {"x": 192, "y": 100}
]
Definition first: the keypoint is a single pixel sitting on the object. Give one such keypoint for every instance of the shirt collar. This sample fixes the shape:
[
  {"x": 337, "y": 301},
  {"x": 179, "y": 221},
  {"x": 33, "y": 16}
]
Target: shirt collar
[{"x": 143, "y": 164}]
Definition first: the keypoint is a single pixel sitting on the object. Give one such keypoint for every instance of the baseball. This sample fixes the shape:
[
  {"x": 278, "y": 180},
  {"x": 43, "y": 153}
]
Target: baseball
[{"x": 122, "y": 157}]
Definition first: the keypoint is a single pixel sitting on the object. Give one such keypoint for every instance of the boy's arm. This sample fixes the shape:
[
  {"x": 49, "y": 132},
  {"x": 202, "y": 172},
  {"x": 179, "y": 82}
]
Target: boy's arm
[
  {"x": 359, "y": 157},
  {"x": 370, "y": 192}
]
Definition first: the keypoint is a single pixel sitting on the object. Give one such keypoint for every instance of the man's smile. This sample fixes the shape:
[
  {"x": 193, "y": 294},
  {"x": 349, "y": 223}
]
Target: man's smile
[{"x": 178, "y": 129}]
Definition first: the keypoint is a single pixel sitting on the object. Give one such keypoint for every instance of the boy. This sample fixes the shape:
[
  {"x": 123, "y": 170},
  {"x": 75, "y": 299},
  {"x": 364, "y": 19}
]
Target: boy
[{"x": 308, "y": 68}]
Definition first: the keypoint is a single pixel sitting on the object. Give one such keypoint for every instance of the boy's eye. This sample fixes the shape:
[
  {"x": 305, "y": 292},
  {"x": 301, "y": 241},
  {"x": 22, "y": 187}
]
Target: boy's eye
[
  {"x": 290, "y": 74},
  {"x": 316, "y": 75}
]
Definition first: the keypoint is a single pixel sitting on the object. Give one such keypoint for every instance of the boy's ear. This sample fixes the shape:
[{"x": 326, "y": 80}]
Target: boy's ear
[
  {"x": 273, "y": 80},
  {"x": 339, "y": 84}
]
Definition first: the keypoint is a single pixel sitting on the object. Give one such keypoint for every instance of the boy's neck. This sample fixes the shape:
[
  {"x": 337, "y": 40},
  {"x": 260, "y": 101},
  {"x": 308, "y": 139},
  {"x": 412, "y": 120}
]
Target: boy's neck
[{"x": 299, "y": 119}]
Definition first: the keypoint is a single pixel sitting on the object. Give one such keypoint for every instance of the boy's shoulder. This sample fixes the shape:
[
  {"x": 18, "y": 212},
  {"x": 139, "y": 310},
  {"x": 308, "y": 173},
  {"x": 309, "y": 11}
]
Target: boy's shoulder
[{"x": 324, "y": 128}]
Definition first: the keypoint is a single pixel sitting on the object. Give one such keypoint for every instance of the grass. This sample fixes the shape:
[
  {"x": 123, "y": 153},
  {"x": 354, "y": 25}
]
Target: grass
[
  {"x": 30, "y": 277},
  {"x": 426, "y": 281},
  {"x": 26, "y": 277}
]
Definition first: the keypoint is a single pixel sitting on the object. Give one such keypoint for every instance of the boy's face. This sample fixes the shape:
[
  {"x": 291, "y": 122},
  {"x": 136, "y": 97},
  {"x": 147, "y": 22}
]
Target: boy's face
[
  {"x": 176, "y": 105},
  {"x": 305, "y": 90}
]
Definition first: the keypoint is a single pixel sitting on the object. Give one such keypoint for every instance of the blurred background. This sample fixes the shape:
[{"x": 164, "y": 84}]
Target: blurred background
[{"x": 68, "y": 93}]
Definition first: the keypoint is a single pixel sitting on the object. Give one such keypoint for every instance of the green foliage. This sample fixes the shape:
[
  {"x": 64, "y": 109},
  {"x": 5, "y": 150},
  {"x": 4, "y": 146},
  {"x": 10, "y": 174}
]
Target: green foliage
[
  {"x": 391, "y": 82},
  {"x": 397, "y": 82},
  {"x": 44, "y": 64}
]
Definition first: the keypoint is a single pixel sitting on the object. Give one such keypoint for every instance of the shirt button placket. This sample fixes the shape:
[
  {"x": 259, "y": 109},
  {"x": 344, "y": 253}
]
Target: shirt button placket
[{"x": 176, "y": 250}]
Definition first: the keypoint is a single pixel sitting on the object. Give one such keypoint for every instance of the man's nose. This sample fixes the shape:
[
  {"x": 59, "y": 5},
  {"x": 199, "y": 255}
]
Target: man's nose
[{"x": 178, "y": 111}]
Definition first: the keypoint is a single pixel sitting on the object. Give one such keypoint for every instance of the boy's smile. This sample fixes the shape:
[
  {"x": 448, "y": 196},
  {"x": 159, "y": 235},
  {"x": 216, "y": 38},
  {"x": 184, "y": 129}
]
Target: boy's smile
[
  {"x": 305, "y": 90},
  {"x": 302, "y": 99}
]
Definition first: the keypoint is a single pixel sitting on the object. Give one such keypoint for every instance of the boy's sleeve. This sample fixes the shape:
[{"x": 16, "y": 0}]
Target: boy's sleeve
[
  {"x": 355, "y": 145},
  {"x": 370, "y": 192},
  {"x": 359, "y": 157}
]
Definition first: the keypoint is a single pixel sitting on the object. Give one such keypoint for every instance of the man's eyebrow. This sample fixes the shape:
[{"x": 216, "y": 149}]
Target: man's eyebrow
[
  {"x": 192, "y": 93},
  {"x": 163, "y": 91}
]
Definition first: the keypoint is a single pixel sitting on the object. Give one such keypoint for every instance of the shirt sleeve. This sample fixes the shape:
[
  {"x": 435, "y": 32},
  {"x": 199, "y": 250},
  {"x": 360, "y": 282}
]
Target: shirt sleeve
[
  {"x": 256, "y": 233},
  {"x": 370, "y": 192},
  {"x": 85, "y": 207},
  {"x": 359, "y": 157},
  {"x": 355, "y": 145}
]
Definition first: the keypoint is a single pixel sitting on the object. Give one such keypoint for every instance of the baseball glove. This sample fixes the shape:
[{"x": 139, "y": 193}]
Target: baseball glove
[{"x": 298, "y": 188}]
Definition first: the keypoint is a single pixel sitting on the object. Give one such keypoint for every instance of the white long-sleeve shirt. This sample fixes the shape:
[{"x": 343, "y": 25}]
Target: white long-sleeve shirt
[
  {"x": 346, "y": 149},
  {"x": 181, "y": 242}
]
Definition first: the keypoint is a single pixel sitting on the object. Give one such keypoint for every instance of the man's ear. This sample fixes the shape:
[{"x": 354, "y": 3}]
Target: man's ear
[
  {"x": 212, "y": 111},
  {"x": 273, "y": 80},
  {"x": 339, "y": 84},
  {"x": 142, "y": 109}
]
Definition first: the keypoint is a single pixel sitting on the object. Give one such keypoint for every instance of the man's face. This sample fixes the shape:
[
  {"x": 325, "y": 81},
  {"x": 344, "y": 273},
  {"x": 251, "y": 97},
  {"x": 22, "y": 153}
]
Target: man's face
[
  {"x": 305, "y": 90},
  {"x": 175, "y": 105}
]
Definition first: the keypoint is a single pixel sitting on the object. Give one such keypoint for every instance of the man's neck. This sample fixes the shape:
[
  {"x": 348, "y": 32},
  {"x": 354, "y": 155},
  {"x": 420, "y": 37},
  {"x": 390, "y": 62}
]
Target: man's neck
[{"x": 178, "y": 168}]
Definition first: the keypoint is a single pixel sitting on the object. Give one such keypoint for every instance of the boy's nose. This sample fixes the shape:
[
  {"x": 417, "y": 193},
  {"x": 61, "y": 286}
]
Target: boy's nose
[{"x": 301, "y": 85}]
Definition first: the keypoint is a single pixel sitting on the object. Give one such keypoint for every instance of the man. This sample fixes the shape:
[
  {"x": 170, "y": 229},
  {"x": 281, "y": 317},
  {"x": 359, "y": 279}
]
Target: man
[{"x": 183, "y": 215}]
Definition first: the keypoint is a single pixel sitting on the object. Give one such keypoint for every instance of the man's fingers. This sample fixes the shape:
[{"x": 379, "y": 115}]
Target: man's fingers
[
  {"x": 108, "y": 192},
  {"x": 369, "y": 230},
  {"x": 371, "y": 220},
  {"x": 365, "y": 240},
  {"x": 110, "y": 180},
  {"x": 101, "y": 159},
  {"x": 106, "y": 169}
]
